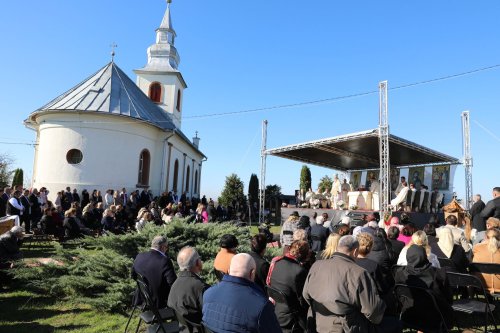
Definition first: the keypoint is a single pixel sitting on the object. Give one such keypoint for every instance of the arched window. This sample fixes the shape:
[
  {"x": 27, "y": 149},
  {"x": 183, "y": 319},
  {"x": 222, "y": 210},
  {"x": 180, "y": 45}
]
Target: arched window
[
  {"x": 196, "y": 181},
  {"x": 176, "y": 174},
  {"x": 188, "y": 173},
  {"x": 178, "y": 104},
  {"x": 155, "y": 92},
  {"x": 144, "y": 161}
]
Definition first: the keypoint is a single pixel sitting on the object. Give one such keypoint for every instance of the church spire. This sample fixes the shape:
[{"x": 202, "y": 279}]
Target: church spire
[{"x": 163, "y": 56}]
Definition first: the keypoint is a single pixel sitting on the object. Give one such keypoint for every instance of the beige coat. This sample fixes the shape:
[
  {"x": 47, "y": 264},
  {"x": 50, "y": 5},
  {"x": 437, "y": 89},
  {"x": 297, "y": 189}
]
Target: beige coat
[{"x": 342, "y": 296}]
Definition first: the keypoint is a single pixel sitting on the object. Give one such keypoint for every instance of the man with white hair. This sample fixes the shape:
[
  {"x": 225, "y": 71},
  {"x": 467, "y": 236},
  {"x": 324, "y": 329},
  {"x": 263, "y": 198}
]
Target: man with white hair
[
  {"x": 319, "y": 234},
  {"x": 352, "y": 302},
  {"x": 10, "y": 244},
  {"x": 157, "y": 269},
  {"x": 237, "y": 304},
  {"x": 186, "y": 294}
]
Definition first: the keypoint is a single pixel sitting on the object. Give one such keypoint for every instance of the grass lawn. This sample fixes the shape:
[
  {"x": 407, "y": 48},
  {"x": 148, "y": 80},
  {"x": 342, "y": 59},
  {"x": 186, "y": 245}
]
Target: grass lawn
[
  {"x": 274, "y": 230},
  {"x": 23, "y": 311}
]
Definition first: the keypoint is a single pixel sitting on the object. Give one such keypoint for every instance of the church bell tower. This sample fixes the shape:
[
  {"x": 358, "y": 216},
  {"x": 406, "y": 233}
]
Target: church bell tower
[{"x": 160, "y": 79}]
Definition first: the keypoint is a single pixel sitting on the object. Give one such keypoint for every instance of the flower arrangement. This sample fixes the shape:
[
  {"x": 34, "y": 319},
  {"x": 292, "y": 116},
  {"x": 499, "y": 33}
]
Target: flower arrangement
[
  {"x": 304, "y": 205},
  {"x": 340, "y": 204},
  {"x": 353, "y": 207}
]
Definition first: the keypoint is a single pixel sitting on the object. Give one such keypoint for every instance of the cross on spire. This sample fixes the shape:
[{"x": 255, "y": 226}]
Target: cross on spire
[{"x": 113, "y": 47}]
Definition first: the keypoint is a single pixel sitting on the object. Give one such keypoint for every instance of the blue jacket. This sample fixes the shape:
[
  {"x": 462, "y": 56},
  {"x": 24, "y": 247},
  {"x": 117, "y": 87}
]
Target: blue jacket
[{"x": 238, "y": 305}]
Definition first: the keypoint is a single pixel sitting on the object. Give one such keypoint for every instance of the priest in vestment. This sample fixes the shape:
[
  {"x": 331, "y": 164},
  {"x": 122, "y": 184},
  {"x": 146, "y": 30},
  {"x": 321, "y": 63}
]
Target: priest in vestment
[
  {"x": 336, "y": 188},
  {"x": 401, "y": 197},
  {"x": 345, "y": 189},
  {"x": 400, "y": 186},
  {"x": 374, "y": 188}
]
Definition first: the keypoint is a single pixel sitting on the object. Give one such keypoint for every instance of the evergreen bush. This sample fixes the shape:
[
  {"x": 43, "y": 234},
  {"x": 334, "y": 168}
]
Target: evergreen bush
[{"x": 96, "y": 271}]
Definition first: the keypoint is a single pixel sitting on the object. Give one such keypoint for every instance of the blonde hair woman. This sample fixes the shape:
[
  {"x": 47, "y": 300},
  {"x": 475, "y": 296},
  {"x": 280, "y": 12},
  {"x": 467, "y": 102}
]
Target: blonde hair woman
[
  {"x": 489, "y": 252},
  {"x": 419, "y": 238},
  {"x": 331, "y": 247}
]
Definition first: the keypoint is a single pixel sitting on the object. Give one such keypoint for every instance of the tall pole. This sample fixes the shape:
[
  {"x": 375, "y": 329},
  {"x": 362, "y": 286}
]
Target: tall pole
[
  {"x": 467, "y": 158},
  {"x": 262, "y": 183},
  {"x": 383, "y": 142}
]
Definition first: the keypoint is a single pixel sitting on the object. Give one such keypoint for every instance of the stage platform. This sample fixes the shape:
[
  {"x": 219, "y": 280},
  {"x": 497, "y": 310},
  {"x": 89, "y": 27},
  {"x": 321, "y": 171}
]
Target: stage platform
[{"x": 336, "y": 215}]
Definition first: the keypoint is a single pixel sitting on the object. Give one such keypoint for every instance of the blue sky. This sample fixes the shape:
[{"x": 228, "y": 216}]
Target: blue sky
[{"x": 239, "y": 55}]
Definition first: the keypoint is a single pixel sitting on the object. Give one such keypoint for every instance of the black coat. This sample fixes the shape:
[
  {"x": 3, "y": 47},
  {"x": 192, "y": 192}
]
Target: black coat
[
  {"x": 458, "y": 257},
  {"x": 9, "y": 247},
  {"x": 159, "y": 273},
  {"x": 478, "y": 222},
  {"x": 492, "y": 209},
  {"x": 261, "y": 270},
  {"x": 385, "y": 282},
  {"x": 319, "y": 234},
  {"x": 71, "y": 228},
  {"x": 397, "y": 246},
  {"x": 186, "y": 296},
  {"x": 289, "y": 276}
]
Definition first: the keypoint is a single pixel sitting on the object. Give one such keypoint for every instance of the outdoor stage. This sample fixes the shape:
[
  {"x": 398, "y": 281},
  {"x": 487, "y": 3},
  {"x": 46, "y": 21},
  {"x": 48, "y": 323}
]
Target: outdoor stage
[{"x": 336, "y": 215}]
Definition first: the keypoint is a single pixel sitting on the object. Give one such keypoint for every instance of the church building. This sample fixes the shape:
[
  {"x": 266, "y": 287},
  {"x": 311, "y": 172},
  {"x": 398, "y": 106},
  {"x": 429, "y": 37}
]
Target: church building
[{"x": 108, "y": 132}]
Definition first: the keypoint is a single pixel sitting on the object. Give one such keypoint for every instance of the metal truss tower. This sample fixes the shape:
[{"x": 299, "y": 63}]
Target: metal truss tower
[
  {"x": 467, "y": 158},
  {"x": 383, "y": 148},
  {"x": 262, "y": 185}
]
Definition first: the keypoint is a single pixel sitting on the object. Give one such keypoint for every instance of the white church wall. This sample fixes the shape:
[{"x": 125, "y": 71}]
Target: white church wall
[{"x": 111, "y": 151}]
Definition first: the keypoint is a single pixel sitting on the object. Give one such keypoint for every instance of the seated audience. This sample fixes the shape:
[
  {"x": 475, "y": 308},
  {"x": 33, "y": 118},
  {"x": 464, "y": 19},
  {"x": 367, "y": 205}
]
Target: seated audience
[
  {"x": 71, "y": 227},
  {"x": 228, "y": 244},
  {"x": 458, "y": 233},
  {"x": 146, "y": 218},
  {"x": 392, "y": 236},
  {"x": 186, "y": 294},
  {"x": 491, "y": 223},
  {"x": 157, "y": 270},
  {"x": 420, "y": 273},
  {"x": 237, "y": 304},
  {"x": 330, "y": 248},
  {"x": 381, "y": 251},
  {"x": 419, "y": 238},
  {"x": 258, "y": 245},
  {"x": 351, "y": 302},
  {"x": 488, "y": 251},
  {"x": 406, "y": 233},
  {"x": 383, "y": 280},
  {"x": 10, "y": 244},
  {"x": 287, "y": 274},
  {"x": 446, "y": 248},
  {"x": 430, "y": 231}
]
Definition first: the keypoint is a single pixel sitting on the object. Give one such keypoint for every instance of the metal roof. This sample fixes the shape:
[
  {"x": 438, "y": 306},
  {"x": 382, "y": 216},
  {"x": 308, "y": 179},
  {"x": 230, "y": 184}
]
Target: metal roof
[
  {"x": 110, "y": 91},
  {"x": 360, "y": 151}
]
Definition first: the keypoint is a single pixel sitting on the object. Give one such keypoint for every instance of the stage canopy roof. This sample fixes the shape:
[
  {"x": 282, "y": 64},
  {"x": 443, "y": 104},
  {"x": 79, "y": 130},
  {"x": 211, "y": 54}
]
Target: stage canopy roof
[{"x": 360, "y": 151}]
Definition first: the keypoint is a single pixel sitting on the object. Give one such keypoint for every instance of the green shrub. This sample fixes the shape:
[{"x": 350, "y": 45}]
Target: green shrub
[{"x": 96, "y": 271}]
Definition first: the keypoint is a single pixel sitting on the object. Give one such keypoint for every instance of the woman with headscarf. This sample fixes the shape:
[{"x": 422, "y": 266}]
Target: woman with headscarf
[
  {"x": 446, "y": 248},
  {"x": 420, "y": 273},
  {"x": 489, "y": 252}
]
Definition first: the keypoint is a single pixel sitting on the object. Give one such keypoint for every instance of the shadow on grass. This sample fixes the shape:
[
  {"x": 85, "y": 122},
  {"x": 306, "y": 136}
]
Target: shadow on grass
[{"x": 38, "y": 328}]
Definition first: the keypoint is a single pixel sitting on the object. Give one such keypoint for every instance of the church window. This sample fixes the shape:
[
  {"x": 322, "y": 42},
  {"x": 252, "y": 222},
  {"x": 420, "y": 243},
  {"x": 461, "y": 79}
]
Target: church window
[
  {"x": 155, "y": 92},
  {"x": 176, "y": 174},
  {"x": 74, "y": 156},
  {"x": 178, "y": 104},
  {"x": 188, "y": 173},
  {"x": 144, "y": 161},
  {"x": 196, "y": 181}
]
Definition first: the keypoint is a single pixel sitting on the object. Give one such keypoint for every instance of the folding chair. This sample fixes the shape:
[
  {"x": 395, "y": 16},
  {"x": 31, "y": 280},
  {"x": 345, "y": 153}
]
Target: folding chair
[
  {"x": 471, "y": 305},
  {"x": 191, "y": 327},
  {"x": 486, "y": 268},
  {"x": 153, "y": 316},
  {"x": 413, "y": 302}
]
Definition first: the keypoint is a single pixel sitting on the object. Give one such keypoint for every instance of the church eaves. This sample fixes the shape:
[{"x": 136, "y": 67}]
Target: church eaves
[{"x": 110, "y": 91}]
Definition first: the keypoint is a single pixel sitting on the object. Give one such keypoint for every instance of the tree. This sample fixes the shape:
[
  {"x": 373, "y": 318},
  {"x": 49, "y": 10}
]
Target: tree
[
  {"x": 253, "y": 189},
  {"x": 5, "y": 173},
  {"x": 325, "y": 183},
  {"x": 273, "y": 191},
  {"x": 305, "y": 179},
  {"x": 18, "y": 178},
  {"x": 233, "y": 190}
]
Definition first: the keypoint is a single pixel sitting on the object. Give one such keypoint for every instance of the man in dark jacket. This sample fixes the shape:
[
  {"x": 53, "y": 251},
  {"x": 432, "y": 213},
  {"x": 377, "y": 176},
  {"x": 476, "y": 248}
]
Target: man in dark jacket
[
  {"x": 258, "y": 246},
  {"x": 492, "y": 208},
  {"x": 157, "y": 269},
  {"x": 186, "y": 295},
  {"x": 319, "y": 234},
  {"x": 478, "y": 222},
  {"x": 236, "y": 304}
]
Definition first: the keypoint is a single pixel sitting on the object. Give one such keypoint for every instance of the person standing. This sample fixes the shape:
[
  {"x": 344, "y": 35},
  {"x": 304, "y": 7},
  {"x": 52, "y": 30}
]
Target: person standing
[
  {"x": 492, "y": 208},
  {"x": 26, "y": 217},
  {"x": 15, "y": 208},
  {"x": 36, "y": 208},
  {"x": 3, "y": 203},
  {"x": 478, "y": 222}
]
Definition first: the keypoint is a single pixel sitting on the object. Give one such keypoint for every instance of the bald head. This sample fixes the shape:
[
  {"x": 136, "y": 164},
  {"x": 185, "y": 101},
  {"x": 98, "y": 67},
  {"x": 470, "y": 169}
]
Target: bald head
[{"x": 243, "y": 266}]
